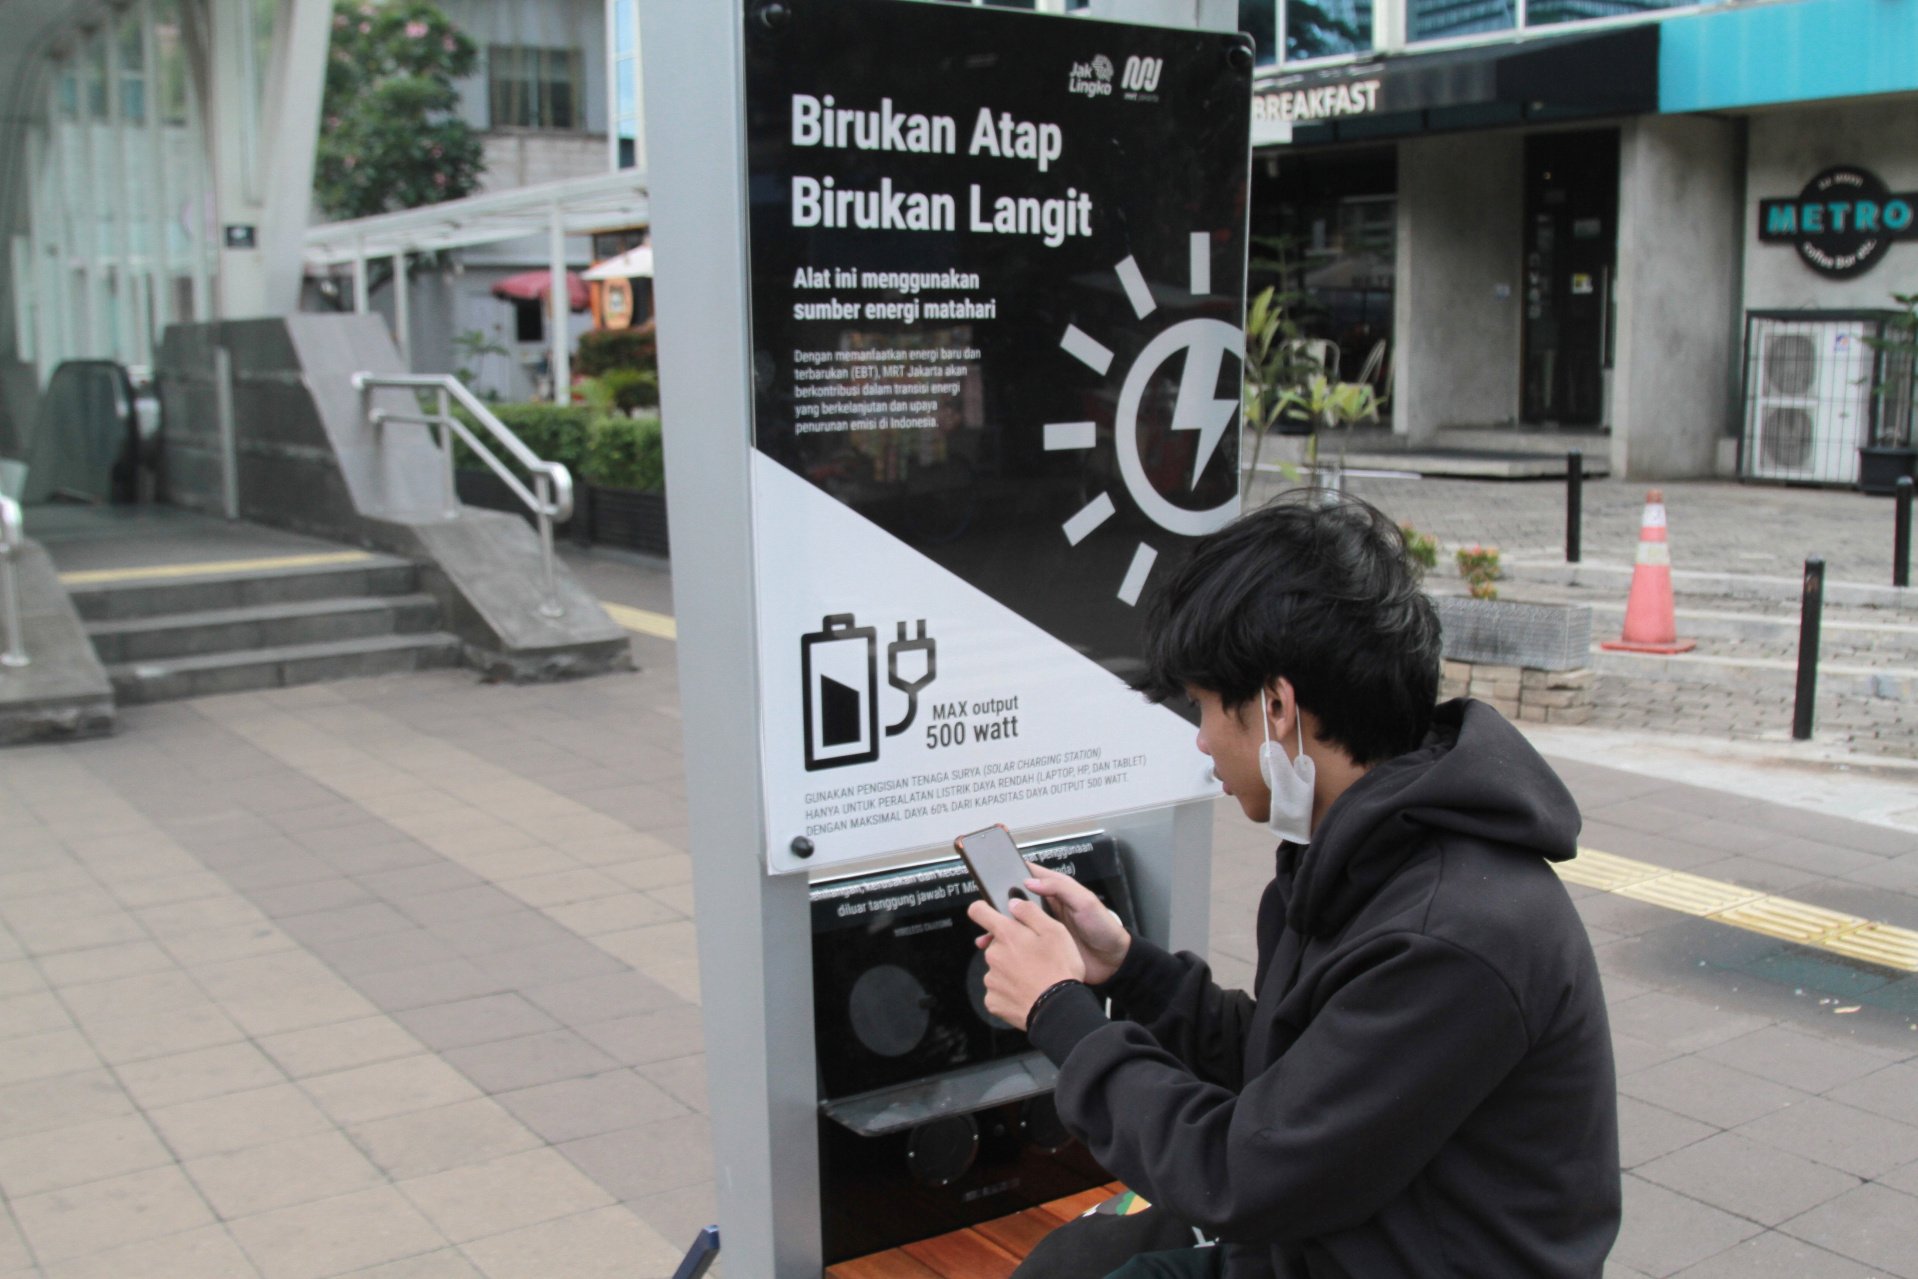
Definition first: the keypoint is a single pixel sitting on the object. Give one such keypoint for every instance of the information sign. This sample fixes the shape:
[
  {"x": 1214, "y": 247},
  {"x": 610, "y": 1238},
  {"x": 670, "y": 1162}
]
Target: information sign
[{"x": 998, "y": 281}]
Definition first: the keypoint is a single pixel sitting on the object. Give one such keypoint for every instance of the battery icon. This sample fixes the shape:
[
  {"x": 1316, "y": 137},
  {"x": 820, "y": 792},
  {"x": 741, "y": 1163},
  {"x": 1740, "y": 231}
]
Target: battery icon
[{"x": 839, "y": 667}]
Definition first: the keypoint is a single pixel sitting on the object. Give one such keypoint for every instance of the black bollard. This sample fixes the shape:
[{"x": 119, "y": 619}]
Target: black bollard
[
  {"x": 1901, "y": 535},
  {"x": 1574, "y": 504},
  {"x": 1812, "y": 605}
]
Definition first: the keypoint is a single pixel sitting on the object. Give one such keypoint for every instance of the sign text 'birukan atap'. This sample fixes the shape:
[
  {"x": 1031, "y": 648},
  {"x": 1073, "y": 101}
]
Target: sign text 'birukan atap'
[{"x": 997, "y": 290}]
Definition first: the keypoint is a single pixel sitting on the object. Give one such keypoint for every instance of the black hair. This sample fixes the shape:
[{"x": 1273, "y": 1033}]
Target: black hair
[{"x": 1315, "y": 587}]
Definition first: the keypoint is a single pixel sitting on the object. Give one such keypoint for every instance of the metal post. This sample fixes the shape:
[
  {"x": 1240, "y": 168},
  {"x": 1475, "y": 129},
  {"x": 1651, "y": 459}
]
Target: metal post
[
  {"x": 1574, "y": 505},
  {"x": 446, "y": 455},
  {"x": 402, "y": 312},
  {"x": 362, "y": 292},
  {"x": 160, "y": 261},
  {"x": 549, "y": 606},
  {"x": 1901, "y": 534},
  {"x": 12, "y": 628},
  {"x": 1810, "y": 608},
  {"x": 229, "y": 435},
  {"x": 559, "y": 308},
  {"x": 755, "y": 929}
]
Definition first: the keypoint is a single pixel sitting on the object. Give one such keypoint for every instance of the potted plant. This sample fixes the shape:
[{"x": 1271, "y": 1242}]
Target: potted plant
[
  {"x": 626, "y": 484},
  {"x": 1892, "y": 451}
]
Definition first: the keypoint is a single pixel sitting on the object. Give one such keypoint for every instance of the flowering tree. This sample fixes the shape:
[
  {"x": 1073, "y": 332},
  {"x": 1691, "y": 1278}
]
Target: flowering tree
[{"x": 390, "y": 137}]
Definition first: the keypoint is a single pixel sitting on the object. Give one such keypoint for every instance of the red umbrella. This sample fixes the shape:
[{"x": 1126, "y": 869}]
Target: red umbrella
[{"x": 536, "y": 286}]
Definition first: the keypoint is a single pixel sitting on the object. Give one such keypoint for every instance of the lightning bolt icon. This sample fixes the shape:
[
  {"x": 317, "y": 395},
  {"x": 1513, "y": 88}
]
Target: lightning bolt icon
[{"x": 1198, "y": 408}]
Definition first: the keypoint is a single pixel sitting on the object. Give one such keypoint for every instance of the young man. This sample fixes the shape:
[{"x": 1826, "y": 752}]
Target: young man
[{"x": 1421, "y": 1082}]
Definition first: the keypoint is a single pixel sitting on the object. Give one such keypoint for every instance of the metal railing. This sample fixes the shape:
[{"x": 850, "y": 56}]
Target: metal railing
[
  {"x": 551, "y": 497},
  {"x": 12, "y": 625}
]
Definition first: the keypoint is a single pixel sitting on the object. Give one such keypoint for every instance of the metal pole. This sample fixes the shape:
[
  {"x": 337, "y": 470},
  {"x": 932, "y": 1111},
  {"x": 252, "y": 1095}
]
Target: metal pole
[
  {"x": 543, "y": 490},
  {"x": 229, "y": 434},
  {"x": 1808, "y": 618},
  {"x": 1901, "y": 534},
  {"x": 559, "y": 308},
  {"x": 402, "y": 312},
  {"x": 446, "y": 456},
  {"x": 362, "y": 292},
  {"x": 14, "y": 655},
  {"x": 1574, "y": 505}
]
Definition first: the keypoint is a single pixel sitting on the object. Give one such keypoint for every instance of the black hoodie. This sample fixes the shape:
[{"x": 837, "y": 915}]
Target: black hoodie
[{"x": 1423, "y": 1084}]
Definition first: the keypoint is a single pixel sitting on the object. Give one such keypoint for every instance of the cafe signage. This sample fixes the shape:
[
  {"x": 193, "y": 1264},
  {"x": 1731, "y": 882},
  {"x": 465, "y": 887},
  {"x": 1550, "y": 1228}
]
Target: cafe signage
[{"x": 1842, "y": 222}]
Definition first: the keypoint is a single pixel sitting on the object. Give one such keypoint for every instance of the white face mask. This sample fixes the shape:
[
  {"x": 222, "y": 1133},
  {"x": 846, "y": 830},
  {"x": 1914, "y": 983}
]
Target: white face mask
[{"x": 1290, "y": 781}]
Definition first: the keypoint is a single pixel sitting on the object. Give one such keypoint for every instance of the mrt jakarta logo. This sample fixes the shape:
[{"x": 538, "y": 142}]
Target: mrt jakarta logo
[{"x": 839, "y": 674}]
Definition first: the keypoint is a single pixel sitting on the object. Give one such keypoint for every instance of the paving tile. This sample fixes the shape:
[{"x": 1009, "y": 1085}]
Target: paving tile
[
  {"x": 548, "y": 965},
  {"x": 513, "y": 864},
  {"x": 15, "y": 1259},
  {"x": 1708, "y": 1092},
  {"x": 679, "y": 1215},
  {"x": 22, "y": 977},
  {"x": 419, "y": 881},
  {"x": 449, "y": 980},
  {"x": 504, "y": 1194},
  {"x": 42, "y": 937},
  {"x": 347, "y": 923},
  {"x": 336, "y": 893},
  {"x": 207, "y": 1252},
  {"x": 656, "y": 1036},
  {"x": 389, "y": 1088},
  {"x": 49, "y": 1052},
  {"x": 461, "y": 904},
  {"x": 335, "y": 1236},
  {"x": 1663, "y": 1231},
  {"x": 392, "y": 853},
  {"x": 683, "y": 1077},
  {"x": 1776, "y": 1256},
  {"x": 528, "y": 1060},
  {"x": 99, "y": 1215},
  {"x": 299, "y": 1008},
  {"x": 638, "y": 1163},
  {"x": 654, "y": 872},
  {"x": 1747, "y": 1178},
  {"x": 429, "y": 1141},
  {"x": 162, "y": 1034},
  {"x": 325, "y": 1049},
  {"x": 237, "y": 1121},
  {"x": 178, "y": 919},
  {"x": 60, "y": 1100},
  {"x": 465, "y": 1022},
  {"x": 411, "y": 947},
  {"x": 645, "y": 947},
  {"x": 204, "y": 1072},
  {"x": 1839, "y": 1136},
  {"x": 611, "y": 914},
  {"x": 56, "y": 1158},
  {"x": 590, "y": 999},
  {"x": 282, "y": 1173},
  {"x": 1790, "y": 1057},
  {"x": 575, "y": 1108},
  {"x": 523, "y": 929},
  {"x": 34, "y": 1013},
  {"x": 104, "y": 963},
  {"x": 1872, "y": 1224},
  {"x": 133, "y": 996},
  {"x": 1891, "y": 1092},
  {"x": 159, "y": 890},
  {"x": 214, "y": 945},
  {"x": 606, "y": 1243},
  {"x": 561, "y": 887},
  {"x": 442, "y": 1263},
  {"x": 1679, "y": 1022}
]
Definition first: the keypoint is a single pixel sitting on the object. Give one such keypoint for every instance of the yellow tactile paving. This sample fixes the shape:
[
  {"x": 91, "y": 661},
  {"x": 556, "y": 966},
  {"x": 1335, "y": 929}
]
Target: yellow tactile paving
[
  {"x": 639, "y": 619},
  {"x": 1849, "y": 935},
  {"x": 209, "y": 568}
]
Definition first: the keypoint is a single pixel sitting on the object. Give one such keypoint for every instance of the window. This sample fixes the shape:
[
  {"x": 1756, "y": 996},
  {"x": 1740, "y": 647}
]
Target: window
[
  {"x": 533, "y": 88},
  {"x": 1327, "y": 28},
  {"x": 1438, "y": 19}
]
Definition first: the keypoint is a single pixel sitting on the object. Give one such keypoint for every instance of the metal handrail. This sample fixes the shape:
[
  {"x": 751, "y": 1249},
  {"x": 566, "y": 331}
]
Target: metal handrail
[
  {"x": 551, "y": 497},
  {"x": 13, "y": 536}
]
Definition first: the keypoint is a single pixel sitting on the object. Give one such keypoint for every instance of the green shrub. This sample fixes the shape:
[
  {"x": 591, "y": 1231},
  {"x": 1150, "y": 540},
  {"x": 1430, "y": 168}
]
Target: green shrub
[
  {"x": 1420, "y": 548},
  {"x": 602, "y": 350},
  {"x": 554, "y": 432},
  {"x": 627, "y": 453},
  {"x": 1478, "y": 565},
  {"x": 631, "y": 389}
]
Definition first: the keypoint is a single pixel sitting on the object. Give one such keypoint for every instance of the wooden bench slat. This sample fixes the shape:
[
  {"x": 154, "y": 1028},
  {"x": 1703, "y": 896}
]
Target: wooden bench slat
[
  {"x": 963, "y": 1254},
  {"x": 1020, "y": 1233},
  {"x": 891, "y": 1264}
]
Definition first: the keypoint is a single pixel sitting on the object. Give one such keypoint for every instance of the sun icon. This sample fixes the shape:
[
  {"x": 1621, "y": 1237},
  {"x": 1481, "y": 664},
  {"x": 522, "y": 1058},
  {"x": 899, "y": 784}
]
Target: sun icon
[{"x": 1205, "y": 343}]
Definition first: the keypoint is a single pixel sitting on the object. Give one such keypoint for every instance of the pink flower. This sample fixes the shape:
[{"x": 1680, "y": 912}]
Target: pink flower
[
  {"x": 449, "y": 44},
  {"x": 439, "y": 179},
  {"x": 366, "y": 28},
  {"x": 349, "y": 162},
  {"x": 416, "y": 30},
  {"x": 339, "y": 22}
]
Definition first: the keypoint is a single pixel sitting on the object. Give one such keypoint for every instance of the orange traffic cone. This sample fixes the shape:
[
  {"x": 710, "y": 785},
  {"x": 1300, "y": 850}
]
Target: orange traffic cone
[{"x": 1649, "y": 624}]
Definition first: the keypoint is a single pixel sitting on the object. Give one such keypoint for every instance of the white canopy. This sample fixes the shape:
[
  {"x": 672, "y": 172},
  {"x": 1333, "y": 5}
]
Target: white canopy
[{"x": 633, "y": 262}]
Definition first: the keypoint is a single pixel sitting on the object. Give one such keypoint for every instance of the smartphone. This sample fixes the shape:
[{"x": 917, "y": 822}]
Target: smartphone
[{"x": 996, "y": 866}]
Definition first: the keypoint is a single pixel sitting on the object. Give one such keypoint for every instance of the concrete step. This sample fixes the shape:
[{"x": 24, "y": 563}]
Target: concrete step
[
  {"x": 261, "y": 626},
  {"x": 116, "y": 599},
  {"x": 281, "y": 667}
]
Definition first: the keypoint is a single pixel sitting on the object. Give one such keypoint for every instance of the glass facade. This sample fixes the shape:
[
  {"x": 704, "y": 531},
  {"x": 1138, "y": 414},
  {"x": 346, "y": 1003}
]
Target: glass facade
[
  {"x": 1304, "y": 30},
  {"x": 629, "y": 143}
]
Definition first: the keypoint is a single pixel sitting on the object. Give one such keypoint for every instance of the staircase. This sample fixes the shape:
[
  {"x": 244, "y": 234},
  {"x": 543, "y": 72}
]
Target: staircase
[{"x": 272, "y": 624}]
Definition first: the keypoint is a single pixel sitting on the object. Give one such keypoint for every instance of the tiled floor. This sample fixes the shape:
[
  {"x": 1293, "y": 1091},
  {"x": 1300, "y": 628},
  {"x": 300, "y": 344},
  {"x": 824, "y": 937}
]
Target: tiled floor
[{"x": 395, "y": 978}]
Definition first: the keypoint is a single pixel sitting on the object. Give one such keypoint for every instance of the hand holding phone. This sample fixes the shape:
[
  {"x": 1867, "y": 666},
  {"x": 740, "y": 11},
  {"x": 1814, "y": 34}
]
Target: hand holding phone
[{"x": 996, "y": 866}]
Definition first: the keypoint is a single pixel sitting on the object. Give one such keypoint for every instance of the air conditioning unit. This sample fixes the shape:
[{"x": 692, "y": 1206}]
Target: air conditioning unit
[{"x": 1808, "y": 397}]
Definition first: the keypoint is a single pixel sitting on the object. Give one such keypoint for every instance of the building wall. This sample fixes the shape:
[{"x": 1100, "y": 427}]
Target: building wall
[
  {"x": 1676, "y": 353},
  {"x": 1457, "y": 312},
  {"x": 519, "y": 158},
  {"x": 1791, "y": 146}
]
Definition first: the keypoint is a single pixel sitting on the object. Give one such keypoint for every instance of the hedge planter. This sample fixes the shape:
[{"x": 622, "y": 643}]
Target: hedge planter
[
  {"x": 1543, "y": 637},
  {"x": 632, "y": 519},
  {"x": 1879, "y": 468}
]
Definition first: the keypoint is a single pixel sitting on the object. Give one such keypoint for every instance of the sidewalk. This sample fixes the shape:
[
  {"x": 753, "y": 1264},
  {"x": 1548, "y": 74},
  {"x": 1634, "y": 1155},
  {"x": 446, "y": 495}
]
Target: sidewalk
[{"x": 395, "y": 978}]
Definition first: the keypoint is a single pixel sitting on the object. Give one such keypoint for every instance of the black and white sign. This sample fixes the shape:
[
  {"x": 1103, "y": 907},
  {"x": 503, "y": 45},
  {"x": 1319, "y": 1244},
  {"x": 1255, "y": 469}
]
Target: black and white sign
[
  {"x": 998, "y": 286},
  {"x": 1842, "y": 222}
]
